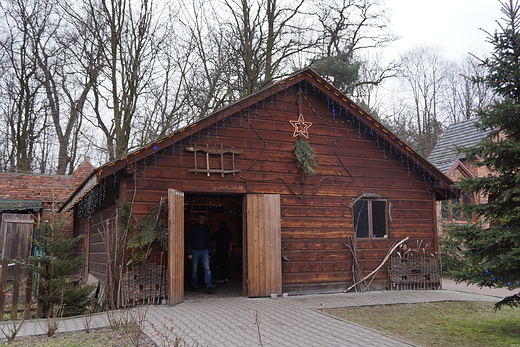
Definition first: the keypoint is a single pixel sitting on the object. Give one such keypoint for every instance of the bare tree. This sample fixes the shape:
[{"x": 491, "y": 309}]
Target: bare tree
[
  {"x": 23, "y": 108},
  {"x": 468, "y": 92},
  {"x": 214, "y": 75},
  {"x": 425, "y": 78},
  {"x": 348, "y": 29},
  {"x": 267, "y": 33},
  {"x": 372, "y": 74},
  {"x": 130, "y": 40},
  {"x": 434, "y": 93},
  {"x": 69, "y": 67}
]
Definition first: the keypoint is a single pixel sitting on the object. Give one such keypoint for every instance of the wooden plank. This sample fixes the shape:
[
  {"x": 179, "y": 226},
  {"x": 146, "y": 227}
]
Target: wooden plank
[
  {"x": 318, "y": 266},
  {"x": 16, "y": 232},
  {"x": 86, "y": 249},
  {"x": 317, "y": 277},
  {"x": 16, "y": 290},
  {"x": 28, "y": 290},
  {"x": 305, "y": 256},
  {"x": 314, "y": 245},
  {"x": 304, "y": 233},
  {"x": 175, "y": 246},
  {"x": 3, "y": 286},
  {"x": 263, "y": 244}
]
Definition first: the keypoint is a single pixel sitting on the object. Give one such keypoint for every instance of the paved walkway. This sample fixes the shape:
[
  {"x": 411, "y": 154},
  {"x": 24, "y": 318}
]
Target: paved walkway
[
  {"x": 214, "y": 321},
  {"x": 294, "y": 321}
]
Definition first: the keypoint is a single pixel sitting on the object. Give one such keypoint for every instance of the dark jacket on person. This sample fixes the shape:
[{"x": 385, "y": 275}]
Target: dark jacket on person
[
  {"x": 199, "y": 237},
  {"x": 223, "y": 238}
]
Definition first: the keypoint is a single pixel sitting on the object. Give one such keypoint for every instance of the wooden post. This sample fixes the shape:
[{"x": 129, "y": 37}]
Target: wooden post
[
  {"x": 39, "y": 305},
  {"x": 16, "y": 289},
  {"x": 28, "y": 291},
  {"x": 3, "y": 285}
]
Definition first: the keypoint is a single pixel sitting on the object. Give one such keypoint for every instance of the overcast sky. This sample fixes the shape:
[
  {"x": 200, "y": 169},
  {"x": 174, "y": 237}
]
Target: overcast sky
[{"x": 453, "y": 24}]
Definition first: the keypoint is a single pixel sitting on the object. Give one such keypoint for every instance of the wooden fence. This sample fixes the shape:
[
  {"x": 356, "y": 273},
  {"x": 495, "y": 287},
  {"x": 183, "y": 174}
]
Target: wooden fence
[
  {"x": 16, "y": 291},
  {"x": 143, "y": 284}
]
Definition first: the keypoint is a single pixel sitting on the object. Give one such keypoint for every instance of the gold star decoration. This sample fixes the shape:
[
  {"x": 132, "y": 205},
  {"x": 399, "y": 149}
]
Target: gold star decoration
[{"x": 300, "y": 127}]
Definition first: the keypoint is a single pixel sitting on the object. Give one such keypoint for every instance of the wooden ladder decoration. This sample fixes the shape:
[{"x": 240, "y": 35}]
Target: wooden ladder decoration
[{"x": 214, "y": 151}]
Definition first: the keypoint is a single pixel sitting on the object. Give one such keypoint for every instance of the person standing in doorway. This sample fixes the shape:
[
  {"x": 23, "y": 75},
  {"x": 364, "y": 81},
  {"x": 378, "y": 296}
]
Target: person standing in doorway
[
  {"x": 222, "y": 238},
  {"x": 199, "y": 245}
]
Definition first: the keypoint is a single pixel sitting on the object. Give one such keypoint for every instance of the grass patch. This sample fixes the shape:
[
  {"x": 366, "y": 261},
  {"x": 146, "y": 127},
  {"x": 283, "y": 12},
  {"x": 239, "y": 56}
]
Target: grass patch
[
  {"x": 104, "y": 337},
  {"x": 452, "y": 323}
]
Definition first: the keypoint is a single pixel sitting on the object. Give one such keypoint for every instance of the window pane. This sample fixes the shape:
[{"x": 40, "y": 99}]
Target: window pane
[
  {"x": 379, "y": 218},
  {"x": 455, "y": 209},
  {"x": 361, "y": 218},
  {"x": 445, "y": 209},
  {"x": 466, "y": 201},
  {"x": 465, "y": 198}
]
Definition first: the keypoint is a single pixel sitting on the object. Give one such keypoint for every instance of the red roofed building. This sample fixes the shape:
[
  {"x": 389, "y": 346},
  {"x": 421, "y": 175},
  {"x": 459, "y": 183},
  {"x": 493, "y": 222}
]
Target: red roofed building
[{"x": 26, "y": 200}]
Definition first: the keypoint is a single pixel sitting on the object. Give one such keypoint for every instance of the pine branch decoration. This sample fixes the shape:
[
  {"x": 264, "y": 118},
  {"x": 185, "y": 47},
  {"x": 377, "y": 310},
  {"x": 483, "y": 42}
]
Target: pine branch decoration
[{"x": 305, "y": 156}]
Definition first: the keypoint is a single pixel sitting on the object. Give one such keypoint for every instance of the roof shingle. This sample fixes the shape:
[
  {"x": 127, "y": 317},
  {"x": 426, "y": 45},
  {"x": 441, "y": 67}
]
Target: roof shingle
[{"x": 464, "y": 134}]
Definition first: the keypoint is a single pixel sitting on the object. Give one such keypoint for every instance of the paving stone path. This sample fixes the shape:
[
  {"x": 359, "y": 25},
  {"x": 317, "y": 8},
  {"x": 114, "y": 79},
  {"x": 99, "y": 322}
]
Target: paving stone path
[{"x": 223, "y": 321}]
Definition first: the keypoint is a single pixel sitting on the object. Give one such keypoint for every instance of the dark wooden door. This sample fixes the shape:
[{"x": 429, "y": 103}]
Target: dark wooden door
[{"x": 16, "y": 232}]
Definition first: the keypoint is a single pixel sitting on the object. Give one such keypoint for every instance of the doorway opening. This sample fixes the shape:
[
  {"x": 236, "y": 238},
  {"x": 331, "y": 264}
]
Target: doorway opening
[{"x": 217, "y": 208}]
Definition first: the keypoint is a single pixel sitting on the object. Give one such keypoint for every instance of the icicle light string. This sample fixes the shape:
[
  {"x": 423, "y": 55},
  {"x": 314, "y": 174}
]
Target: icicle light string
[
  {"x": 257, "y": 114},
  {"x": 335, "y": 111},
  {"x": 432, "y": 182},
  {"x": 334, "y": 121}
]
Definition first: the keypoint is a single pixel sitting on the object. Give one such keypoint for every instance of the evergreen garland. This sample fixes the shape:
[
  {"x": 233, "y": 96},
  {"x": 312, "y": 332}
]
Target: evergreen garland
[{"x": 305, "y": 156}]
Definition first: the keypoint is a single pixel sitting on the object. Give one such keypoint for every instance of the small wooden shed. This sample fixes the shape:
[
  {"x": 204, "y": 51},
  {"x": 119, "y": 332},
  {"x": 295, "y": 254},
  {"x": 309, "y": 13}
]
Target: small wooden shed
[
  {"x": 29, "y": 199},
  {"x": 293, "y": 231}
]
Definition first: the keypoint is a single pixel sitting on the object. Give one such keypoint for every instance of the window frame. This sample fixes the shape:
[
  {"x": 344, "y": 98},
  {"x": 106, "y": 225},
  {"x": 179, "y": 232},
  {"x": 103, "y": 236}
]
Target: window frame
[
  {"x": 452, "y": 210},
  {"x": 370, "y": 218}
]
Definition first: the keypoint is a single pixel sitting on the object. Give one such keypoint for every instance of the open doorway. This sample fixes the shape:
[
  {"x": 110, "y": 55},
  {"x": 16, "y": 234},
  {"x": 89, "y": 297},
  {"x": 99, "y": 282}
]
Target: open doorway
[
  {"x": 217, "y": 208},
  {"x": 256, "y": 267}
]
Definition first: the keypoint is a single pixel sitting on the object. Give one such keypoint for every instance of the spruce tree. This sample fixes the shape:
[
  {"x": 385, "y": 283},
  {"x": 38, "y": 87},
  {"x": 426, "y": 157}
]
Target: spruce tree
[
  {"x": 491, "y": 246},
  {"x": 55, "y": 266}
]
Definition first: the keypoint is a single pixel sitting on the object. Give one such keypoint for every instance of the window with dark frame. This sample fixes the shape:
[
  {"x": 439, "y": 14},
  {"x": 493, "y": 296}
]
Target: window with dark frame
[
  {"x": 451, "y": 209},
  {"x": 370, "y": 218}
]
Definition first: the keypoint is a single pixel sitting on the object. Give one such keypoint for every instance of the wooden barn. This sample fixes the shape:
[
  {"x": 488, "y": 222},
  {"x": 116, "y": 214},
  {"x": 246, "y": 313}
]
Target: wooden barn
[{"x": 315, "y": 190}]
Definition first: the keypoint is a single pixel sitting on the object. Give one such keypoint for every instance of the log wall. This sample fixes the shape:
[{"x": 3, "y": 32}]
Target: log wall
[{"x": 316, "y": 218}]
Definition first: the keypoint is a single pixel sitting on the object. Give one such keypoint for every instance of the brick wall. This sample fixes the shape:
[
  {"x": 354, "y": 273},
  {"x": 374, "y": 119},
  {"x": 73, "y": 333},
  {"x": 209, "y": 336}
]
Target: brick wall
[{"x": 51, "y": 190}]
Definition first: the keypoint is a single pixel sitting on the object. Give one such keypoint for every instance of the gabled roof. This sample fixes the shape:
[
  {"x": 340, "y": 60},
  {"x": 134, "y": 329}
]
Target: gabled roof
[
  {"x": 460, "y": 167},
  {"x": 463, "y": 134},
  {"x": 307, "y": 75}
]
